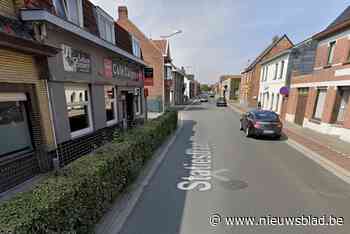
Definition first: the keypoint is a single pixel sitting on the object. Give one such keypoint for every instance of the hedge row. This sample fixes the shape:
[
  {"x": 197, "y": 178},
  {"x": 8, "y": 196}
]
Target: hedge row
[{"x": 73, "y": 200}]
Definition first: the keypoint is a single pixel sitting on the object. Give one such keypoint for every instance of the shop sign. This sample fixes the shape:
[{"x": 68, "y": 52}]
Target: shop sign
[{"x": 75, "y": 60}]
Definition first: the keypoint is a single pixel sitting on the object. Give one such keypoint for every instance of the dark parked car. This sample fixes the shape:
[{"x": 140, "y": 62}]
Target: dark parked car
[
  {"x": 261, "y": 122},
  {"x": 221, "y": 102},
  {"x": 203, "y": 98}
]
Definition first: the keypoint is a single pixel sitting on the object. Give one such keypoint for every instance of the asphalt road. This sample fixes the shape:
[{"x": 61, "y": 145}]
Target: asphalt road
[{"x": 237, "y": 176}]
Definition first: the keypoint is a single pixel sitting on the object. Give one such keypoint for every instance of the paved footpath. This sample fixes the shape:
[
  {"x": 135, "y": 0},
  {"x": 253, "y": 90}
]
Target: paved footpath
[{"x": 212, "y": 170}]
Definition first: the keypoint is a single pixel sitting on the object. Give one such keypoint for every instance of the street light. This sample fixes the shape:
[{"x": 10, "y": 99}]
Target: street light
[{"x": 172, "y": 34}]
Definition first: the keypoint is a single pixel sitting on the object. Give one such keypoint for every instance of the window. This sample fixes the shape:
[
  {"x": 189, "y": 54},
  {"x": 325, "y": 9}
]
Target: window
[
  {"x": 111, "y": 105},
  {"x": 79, "y": 110},
  {"x": 136, "y": 49},
  {"x": 276, "y": 71},
  {"x": 331, "y": 53},
  {"x": 277, "y": 103},
  {"x": 138, "y": 104},
  {"x": 282, "y": 69},
  {"x": 272, "y": 101},
  {"x": 267, "y": 73},
  {"x": 343, "y": 102},
  {"x": 321, "y": 97},
  {"x": 262, "y": 74},
  {"x": 105, "y": 25},
  {"x": 14, "y": 128},
  {"x": 71, "y": 10}
]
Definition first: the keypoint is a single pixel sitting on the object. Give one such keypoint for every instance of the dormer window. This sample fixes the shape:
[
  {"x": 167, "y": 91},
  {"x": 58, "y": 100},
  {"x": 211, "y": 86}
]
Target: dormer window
[
  {"x": 136, "y": 49},
  {"x": 105, "y": 25},
  {"x": 71, "y": 10}
]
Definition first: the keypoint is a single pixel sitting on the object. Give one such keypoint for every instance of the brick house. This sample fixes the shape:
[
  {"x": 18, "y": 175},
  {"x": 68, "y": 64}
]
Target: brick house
[
  {"x": 95, "y": 82},
  {"x": 320, "y": 99},
  {"x": 250, "y": 79},
  {"x": 25, "y": 122},
  {"x": 153, "y": 53}
]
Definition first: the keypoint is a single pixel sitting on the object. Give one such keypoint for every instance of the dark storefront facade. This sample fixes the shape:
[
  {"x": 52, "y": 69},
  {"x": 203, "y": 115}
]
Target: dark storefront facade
[{"x": 95, "y": 87}]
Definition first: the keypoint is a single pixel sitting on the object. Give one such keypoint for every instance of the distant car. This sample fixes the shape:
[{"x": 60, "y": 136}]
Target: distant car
[
  {"x": 221, "y": 102},
  {"x": 261, "y": 123},
  {"x": 203, "y": 98}
]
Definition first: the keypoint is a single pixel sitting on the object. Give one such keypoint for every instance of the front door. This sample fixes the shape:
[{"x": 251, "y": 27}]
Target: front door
[
  {"x": 301, "y": 105},
  {"x": 130, "y": 108}
]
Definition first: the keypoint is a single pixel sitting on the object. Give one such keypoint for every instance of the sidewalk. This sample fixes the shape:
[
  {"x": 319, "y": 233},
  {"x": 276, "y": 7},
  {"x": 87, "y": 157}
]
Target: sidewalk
[{"x": 329, "y": 147}]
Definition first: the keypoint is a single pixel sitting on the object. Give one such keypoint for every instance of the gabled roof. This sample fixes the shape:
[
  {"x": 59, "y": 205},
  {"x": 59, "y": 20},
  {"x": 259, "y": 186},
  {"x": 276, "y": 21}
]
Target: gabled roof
[
  {"x": 340, "y": 23},
  {"x": 344, "y": 16},
  {"x": 265, "y": 52}
]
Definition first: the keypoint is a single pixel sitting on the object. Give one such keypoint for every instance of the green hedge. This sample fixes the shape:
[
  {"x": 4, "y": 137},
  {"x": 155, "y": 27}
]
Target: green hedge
[{"x": 76, "y": 198}]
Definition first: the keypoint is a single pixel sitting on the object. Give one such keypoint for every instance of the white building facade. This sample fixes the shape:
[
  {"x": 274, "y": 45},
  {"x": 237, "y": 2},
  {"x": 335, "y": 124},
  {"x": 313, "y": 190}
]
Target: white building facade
[{"x": 274, "y": 75}]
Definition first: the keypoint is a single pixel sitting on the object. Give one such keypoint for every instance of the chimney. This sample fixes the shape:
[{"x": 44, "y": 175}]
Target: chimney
[{"x": 123, "y": 12}]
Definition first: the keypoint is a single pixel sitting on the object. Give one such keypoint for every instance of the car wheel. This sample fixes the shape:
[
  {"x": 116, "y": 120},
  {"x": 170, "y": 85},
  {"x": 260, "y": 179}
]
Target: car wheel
[{"x": 248, "y": 132}]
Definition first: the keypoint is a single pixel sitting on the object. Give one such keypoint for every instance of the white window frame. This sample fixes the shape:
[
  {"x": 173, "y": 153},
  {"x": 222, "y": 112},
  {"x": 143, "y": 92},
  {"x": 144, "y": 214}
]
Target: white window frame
[
  {"x": 89, "y": 129},
  {"x": 103, "y": 21},
  {"x": 331, "y": 50},
  {"x": 283, "y": 63},
  {"x": 136, "y": 50},
  {"x": 115, "y": 120},
  {"x": 66, "y": 7},
  {"x": 316, "y": 108}
]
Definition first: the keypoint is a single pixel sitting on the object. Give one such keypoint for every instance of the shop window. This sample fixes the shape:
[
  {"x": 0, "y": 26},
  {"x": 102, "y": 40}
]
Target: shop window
[
  {"x": 343, "y": 103},
  {"x": 320, "y": 101},
  {"x": 14, "y": 128},
  {"x": 111, "y": 105},
  {"x": 79, "y": 110},
  {"x": 71, "y": 10}
]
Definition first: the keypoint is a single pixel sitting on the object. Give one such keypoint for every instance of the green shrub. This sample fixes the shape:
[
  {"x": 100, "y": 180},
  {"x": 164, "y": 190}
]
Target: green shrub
[{"x": 73, "y": 200}]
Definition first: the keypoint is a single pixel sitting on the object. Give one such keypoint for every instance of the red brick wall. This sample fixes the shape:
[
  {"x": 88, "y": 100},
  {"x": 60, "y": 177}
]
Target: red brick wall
[
  {"x": 321, "y": 56},
  {"x": 152, "y": 56},
  {"x": 327, "y": 115},
  {"x": 311, "y": 100},
  {"x": 292, "y": 101},
  {"x": 341, "y": 51}
]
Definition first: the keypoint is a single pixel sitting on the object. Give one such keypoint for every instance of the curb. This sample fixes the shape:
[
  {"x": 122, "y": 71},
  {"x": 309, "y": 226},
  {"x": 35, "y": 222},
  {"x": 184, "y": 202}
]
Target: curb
[
  {"x": 325, "y": 163},
  {"x": 330, "y": 166},
  {"x": 118, "y": 215}
]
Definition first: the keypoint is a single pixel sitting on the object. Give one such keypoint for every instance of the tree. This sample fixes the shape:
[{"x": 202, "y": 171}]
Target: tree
[{"x": 205, "y": 88}]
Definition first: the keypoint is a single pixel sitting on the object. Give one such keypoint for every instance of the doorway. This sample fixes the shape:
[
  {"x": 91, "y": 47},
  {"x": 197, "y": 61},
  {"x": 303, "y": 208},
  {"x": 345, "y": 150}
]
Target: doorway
[{"x": 301, "y": 105}]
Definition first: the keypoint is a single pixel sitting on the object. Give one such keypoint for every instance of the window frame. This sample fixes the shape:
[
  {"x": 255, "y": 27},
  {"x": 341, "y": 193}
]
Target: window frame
[
  {"x": 319, "y": 90},
  {"x": 282, "y": 69},
  {"x": 276, "y": 72},
  {"x": 67, "y": 8},
  {"x": 136, "y": 51},
  {"x": 115, "y": 104},
  {"x": 103, "y": 21},
  {"x": 331, "y": 50},
  {"x": 89, "y": 129},
  {"x": 341, "y": 91},
  {"x": 21, "y": 98}
]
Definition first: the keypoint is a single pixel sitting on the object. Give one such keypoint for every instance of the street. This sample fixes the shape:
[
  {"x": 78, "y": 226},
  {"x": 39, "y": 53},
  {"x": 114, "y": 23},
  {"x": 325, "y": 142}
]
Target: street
[{"x": 213, "y": 169}]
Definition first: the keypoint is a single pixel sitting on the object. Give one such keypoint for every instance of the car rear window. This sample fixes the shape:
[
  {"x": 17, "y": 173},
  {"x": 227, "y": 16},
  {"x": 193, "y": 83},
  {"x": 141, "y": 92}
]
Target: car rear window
[{"x": 266, "y": 116}]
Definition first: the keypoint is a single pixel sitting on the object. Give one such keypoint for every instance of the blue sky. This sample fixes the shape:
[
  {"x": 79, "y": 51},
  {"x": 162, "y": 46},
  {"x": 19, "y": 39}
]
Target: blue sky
[{"x": 220, "y": 36}]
